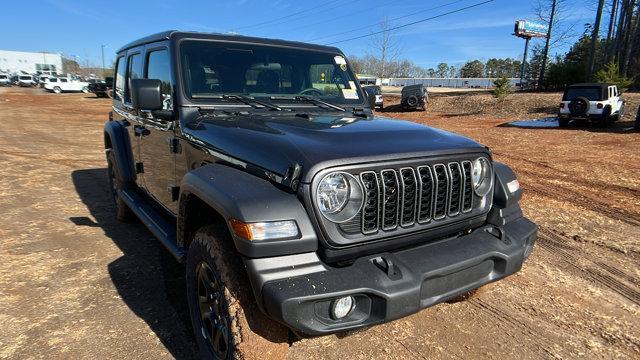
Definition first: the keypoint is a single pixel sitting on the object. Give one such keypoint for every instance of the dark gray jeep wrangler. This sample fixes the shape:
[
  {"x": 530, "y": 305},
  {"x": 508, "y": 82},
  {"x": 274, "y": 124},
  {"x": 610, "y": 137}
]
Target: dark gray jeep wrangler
[{"x": 259, "y": 164}]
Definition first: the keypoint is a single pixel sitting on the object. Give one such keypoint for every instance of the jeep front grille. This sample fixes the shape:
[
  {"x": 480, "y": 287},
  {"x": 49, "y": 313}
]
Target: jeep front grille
[{"x": 413, "y": 195}]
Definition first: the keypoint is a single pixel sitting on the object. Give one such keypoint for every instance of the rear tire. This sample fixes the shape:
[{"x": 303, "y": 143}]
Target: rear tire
[
  {"x": 123, "y": 213},
  {"x": 563, "y": 122},
  {"x": 57, "y": 89},
  {"x": 227, "y": 322},
  {"x": 85, "y": 89}
]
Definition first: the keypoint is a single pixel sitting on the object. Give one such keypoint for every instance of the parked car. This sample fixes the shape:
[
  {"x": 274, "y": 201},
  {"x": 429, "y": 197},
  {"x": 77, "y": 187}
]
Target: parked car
[
  {"x": 292, "y": 206},
  {"x": 414, "y": 97},
  {"x": 375, "y": 96},
  {"x": 600, "y": 103},
  {"x": 102, "y": 88},
  {"x": 25, "y": 80},
  {"x": 64, "y": 84},
  {"x": 4, "y": 80}
]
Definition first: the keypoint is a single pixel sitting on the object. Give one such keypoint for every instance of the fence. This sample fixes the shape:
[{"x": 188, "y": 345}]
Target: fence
[{"x": 471, "y": 83}]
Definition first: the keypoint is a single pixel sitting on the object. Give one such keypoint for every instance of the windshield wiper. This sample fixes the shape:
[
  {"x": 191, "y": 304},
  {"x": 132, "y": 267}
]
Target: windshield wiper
[
  {"x": 311, "y": 100},
  {"x": 251, "y": 101}
]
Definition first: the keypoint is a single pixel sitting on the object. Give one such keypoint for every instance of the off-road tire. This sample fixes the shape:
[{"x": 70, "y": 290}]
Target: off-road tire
[
  {"x": 123, "y": 212},
  {"x": 607, "y": 118},
  {"x": 412, "y": 101},
  {"x": 563, "y": 122},
  {"x": 251, "y": 334},
  {"x": 57, "y": 89},
  {"x": 85, "y": 89}
]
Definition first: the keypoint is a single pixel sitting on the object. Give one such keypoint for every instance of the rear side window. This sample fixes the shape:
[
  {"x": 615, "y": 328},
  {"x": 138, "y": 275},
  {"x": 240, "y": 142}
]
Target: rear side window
[
  {"x": 63, "y": 80},
  {"x": 119, "y": 82},
  {"x": 159, "y": 67},
  {"x": 134, "y": 71}
]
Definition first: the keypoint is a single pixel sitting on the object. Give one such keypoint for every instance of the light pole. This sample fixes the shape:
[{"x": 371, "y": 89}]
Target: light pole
[{"x": 102, "y": 48}]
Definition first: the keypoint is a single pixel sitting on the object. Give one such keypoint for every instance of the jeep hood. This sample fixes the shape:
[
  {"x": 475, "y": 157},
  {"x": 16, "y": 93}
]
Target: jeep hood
[{"x": 277, "y": 142}]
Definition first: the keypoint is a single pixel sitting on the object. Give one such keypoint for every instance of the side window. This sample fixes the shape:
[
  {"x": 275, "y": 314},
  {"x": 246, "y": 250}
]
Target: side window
[
  {"x": 119, "y": 82},
  {"x": 159, "y": 67},
  {"x": 63, "y": 80},
  {"x": 134, "y": 71}
]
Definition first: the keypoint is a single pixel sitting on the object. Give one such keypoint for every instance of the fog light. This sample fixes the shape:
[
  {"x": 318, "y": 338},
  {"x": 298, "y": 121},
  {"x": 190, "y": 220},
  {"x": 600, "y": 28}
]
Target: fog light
[{"x": 342, "y": 307}]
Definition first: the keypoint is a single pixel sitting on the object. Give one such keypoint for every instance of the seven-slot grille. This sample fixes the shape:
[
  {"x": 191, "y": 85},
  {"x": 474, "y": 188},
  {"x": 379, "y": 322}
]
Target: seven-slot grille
[{"x": 406, "y": 196}]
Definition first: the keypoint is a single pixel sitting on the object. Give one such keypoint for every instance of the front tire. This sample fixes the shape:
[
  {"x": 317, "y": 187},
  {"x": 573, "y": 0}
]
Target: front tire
[
  {"x": 227, "y": 322},
  {"x": 85, "y": 89},
  {"x": 57, "y": 90}
]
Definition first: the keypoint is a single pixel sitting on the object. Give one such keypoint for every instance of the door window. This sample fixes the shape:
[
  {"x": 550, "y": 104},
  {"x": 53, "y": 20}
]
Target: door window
[
  {"x": 119, "y": 82},
  {"x": 134, "y": 71},
  {"x": 159, "y": 67}
]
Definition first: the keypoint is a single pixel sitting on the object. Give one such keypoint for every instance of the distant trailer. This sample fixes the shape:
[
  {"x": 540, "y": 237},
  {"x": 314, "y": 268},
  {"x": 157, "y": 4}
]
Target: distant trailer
[{"x": 462, "y": 83}]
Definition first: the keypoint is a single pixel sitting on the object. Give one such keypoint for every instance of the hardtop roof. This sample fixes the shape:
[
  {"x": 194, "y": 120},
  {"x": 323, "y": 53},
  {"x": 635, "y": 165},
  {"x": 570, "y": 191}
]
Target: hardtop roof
[
  {"x": 582, "y": 85},
  {"x": 175, "y": 34}
]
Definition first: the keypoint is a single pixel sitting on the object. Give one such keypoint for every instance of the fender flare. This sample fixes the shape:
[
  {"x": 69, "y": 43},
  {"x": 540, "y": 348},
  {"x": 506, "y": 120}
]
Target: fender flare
[
  {"x": 506, "y": 207},
  {"x": 236, "y": 194},
  {"x": 118, "y": 137}
]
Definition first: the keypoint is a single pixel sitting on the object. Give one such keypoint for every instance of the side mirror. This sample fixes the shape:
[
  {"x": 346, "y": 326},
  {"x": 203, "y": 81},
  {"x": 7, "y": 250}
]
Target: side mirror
[{"x": 146, "y": 94}]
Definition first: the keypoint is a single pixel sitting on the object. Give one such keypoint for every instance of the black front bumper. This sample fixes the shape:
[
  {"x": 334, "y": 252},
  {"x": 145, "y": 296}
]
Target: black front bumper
[{"x": 417, "y": 278}]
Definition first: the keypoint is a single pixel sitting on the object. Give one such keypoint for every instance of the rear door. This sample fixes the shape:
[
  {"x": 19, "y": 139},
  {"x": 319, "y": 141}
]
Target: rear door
[{"x": 122, "y": 105}]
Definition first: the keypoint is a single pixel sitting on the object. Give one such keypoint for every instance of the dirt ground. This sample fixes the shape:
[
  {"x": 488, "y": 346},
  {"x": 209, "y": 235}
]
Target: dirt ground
[{"x": 75, "y": 283}]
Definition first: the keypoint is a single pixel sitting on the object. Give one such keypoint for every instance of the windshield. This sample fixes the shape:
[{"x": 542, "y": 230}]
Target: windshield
[
  {"x": 212, "y": 69},
  {"x": 593, "y": 94},
  {"x": 3, "y": 77}
]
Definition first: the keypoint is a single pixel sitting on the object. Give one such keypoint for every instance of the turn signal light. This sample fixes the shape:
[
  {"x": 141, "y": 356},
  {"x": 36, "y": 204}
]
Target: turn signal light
[{"x": 265, "y": 230}]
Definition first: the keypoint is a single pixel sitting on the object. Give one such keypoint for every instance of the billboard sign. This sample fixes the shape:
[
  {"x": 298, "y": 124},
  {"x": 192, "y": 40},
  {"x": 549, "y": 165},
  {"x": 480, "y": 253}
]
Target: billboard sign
[{"x": 530, "y": 29}]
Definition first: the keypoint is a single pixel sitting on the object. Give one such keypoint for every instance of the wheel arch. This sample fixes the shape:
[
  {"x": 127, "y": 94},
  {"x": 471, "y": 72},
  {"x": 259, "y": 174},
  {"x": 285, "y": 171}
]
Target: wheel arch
[
  {"x": 116, "y": 138},
  {"x": 223, "y": 193}
]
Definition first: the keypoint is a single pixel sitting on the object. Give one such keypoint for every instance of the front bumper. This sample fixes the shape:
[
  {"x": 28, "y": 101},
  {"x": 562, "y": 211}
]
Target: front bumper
[{"x": 412, "y": 279}]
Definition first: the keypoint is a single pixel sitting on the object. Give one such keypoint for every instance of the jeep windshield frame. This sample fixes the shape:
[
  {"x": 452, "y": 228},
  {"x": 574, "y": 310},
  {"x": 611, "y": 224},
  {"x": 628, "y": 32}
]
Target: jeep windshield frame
[{"x": 215, "y": 72}]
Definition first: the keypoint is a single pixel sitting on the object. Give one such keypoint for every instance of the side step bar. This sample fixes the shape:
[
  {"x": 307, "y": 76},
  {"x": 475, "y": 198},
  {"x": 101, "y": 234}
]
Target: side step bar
[{"x": 158, "y": 224}]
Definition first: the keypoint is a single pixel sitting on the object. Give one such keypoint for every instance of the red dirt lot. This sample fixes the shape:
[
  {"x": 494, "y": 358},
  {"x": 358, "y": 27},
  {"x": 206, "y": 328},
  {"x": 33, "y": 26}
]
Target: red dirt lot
[{"x": 75, "y": 283}]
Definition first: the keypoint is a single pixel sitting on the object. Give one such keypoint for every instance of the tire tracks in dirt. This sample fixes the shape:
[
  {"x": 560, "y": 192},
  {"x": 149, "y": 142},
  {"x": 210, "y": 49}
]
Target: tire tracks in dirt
[
  {"x": 594, "y": 271},
  {"x": 504, "y": 317}
]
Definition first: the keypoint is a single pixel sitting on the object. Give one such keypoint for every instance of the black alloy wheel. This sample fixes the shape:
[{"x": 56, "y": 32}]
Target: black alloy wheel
[{"x": 214, "y": 319}]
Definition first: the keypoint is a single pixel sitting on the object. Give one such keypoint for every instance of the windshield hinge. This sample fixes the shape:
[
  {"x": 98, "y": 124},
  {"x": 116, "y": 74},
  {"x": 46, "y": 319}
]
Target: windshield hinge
[{"x": 292, "y": 176}]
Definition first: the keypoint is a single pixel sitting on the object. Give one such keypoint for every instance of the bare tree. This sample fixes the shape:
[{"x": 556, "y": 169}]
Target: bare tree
[
  {"x": 594, "y": 40},
  {"x": 386, "y": 46},
  {"x": 553, "y": 12},
  {"x": 611, "y": 32}
]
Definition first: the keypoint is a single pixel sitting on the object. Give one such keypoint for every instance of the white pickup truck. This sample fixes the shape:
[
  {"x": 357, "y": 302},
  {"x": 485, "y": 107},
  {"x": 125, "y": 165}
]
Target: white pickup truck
[
  {"x": 600, "y": 103},
  {"x": 63, "y": 84}
]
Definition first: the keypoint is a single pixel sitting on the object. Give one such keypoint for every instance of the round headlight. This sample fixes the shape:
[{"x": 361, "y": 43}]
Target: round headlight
[
  {"x": 481, "y": 176},
  {"x": 339, "y": 197}
]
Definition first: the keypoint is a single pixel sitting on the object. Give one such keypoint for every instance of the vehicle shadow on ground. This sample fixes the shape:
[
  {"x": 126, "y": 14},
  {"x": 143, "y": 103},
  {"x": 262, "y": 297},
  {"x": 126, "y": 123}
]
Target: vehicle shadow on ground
[
  {"x": 619, "y": 127},
  {"x": 146, "y": 276}
]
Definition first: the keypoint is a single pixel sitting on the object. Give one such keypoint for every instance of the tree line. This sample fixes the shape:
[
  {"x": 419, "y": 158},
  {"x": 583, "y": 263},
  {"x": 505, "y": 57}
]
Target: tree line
[
  {"x": 400, "y": 68},
  {"x": 607, "y": 51}
]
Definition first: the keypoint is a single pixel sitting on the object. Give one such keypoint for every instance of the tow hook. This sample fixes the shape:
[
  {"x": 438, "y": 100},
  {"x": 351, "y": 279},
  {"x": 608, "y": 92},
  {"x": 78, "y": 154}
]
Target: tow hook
[
  {"x": 498, "y": 233},
  {"x": 392, "y": 270}
]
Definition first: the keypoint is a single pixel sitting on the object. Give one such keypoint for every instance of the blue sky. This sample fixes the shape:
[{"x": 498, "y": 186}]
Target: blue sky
[{"x": 77, "y": 28}]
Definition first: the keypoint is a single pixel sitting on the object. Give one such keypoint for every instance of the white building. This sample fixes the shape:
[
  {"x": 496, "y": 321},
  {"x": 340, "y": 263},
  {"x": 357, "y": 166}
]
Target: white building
[{"x": 30, "y": 62}]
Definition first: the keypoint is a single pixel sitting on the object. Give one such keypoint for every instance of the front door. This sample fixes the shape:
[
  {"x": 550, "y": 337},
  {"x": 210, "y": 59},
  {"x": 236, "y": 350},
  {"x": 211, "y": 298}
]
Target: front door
[{"x": 158, "y": 154}]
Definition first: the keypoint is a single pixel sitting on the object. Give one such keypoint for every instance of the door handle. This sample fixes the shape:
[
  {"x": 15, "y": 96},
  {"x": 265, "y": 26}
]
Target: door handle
[{"x": 141, "y": 131}]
